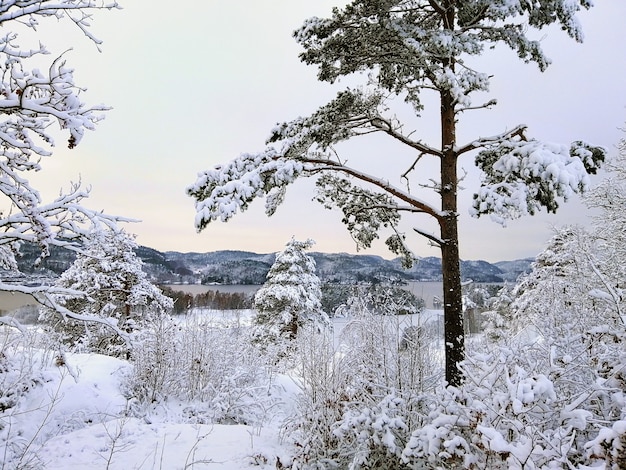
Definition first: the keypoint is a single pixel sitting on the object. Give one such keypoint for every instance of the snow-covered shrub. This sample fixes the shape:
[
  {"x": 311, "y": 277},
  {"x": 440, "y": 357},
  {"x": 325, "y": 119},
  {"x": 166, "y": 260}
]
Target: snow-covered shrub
[
  {"x": 214, "y": 369},
  {"x": 609, "y": 446},
  {"x": 389, "y": 362},
  {"x": 573, "y": 323},
  {"x": 155, "y": 349},
  {"x": 392, "y": 351},
  {"x": 507, "y": 415},
  {"x": 379, "y": 299},
  {"x": 23, "y": 364},
  {"x": 359, "y": 402},
  {"x": 497, "y": 316},
  {"x": 376, "y": 433},
  {"x": 324, "y": 393}
]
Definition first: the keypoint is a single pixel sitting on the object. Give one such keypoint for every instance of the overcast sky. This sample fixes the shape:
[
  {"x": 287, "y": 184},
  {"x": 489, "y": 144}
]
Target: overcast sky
[{"x": 195, "y": 86}]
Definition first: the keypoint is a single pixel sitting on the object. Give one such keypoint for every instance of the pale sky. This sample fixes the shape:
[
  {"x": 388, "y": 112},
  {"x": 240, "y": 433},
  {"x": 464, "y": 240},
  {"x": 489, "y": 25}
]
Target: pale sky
[{"x": 197, "y": 85}]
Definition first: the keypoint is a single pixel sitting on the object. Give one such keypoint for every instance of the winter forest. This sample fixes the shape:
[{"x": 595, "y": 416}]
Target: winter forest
[{"x": 119, "y": 373}]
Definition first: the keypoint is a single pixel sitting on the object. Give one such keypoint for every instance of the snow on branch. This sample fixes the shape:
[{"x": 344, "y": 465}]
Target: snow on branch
[
  {"x": 497, "y": 139},
  {"x": 520, "y": 177},
  {"x": 225, "y": 189},
  {"x": 60, "y": 223},
  {"x": 32, "y": 100},
  {"x": 297, "y": 148},
  {"x": 351, "y": 113},
  {"x": 46, "y": 296},
  {"x": 26, "y": 12},
  {"x": 348, "y": 115}
]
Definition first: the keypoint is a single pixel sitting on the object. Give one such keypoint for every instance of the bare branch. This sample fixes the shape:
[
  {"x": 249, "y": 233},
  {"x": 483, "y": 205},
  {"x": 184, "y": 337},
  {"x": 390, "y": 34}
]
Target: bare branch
[
  {"x": 405, "y": 175},
  {"x": 436, "y": 240},
  {"x": 484, "y": 142},
  {"x": 385, "y": 126}
]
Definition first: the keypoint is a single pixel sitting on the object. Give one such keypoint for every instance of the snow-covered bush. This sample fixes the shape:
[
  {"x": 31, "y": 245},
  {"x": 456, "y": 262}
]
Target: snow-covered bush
[
  {"x": 497, "y": 316},
  {"x": 324, "y": 392},
  {"x": 609, "y": 446},
  {"x": 25, "y": 363},
  {"x": 380, "y": 299},
  {"x": 359, "y": 401},
  {"x": 214, "y": 369}
]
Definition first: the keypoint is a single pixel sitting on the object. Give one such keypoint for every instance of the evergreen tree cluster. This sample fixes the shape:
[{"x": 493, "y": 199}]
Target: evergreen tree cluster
[{"x": 212, "y": 299}]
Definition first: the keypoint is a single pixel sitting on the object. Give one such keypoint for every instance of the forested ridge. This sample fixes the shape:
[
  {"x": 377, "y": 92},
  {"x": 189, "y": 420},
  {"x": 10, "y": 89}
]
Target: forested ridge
[{"x": 244, "y": 267}]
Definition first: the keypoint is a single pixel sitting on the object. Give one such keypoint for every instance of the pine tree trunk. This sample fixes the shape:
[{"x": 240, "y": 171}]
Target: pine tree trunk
[{"x": 454, "y": 336}]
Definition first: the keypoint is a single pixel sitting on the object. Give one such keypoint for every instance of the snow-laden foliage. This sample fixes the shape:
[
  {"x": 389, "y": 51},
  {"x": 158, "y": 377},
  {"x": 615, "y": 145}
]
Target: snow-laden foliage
[
  {"x": 522, "y": 177},
  {"x": 565, "y": 307},
  {"x": 406, "y": 48},
  {"x": 411, "y": 43},
  {"x": 379, "y": 299},
  {"x": 608, "y": 199},
  {"x": 108, "y": 283},
  {"x": 289, "y": 299},
  {"x": 497, "y": 315},
  {"x": 36, "y": 103}
]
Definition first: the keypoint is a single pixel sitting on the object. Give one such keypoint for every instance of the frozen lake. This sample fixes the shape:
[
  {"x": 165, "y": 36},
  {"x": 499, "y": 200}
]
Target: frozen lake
[
  {"x": 12, "y": 300},
  {"x": 428, "y": 291}
]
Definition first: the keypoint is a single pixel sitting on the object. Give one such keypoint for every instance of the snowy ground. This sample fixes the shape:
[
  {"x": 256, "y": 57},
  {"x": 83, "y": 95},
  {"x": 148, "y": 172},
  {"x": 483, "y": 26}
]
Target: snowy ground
[
  {"x": 75, "y": 416},
  {"x": 77, "y": 423}
]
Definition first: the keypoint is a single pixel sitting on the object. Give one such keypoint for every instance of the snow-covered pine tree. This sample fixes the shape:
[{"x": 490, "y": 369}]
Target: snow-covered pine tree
[
  {"x": 289, "y": 299},
  {"x": 404, "y": 49},
  {"x": 108, "y": 283}
]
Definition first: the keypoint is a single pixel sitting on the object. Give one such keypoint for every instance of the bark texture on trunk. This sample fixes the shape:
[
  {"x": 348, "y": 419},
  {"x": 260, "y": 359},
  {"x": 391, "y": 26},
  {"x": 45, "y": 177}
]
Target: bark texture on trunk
[{"x": 454, "y": 336}]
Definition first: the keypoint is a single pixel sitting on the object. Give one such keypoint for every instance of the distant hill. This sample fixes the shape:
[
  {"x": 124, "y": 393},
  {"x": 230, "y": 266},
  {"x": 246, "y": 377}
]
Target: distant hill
[
  {"x": 243, "y": 267},
  {"x": 512, "y": 270}
]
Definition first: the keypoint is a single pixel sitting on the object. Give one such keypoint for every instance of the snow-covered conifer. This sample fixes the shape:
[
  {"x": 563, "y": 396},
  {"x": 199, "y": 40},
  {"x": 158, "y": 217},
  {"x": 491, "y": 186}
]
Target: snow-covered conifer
[
  {"x": 108, "y": 283},
  {"x": 290, "y": 298}
]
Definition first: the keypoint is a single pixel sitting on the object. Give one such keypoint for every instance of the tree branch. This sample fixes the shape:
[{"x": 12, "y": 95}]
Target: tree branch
[
  {"x": 385, "y": 126},
  {"x": 483, "y": 142},
  {"x": 405, "y": 176},
  {"x": 383, "y": 184},
  {"x": 438, "y": 8},
  {"x": 488, "y": 104},
  {"x": 436, "y": 240}
]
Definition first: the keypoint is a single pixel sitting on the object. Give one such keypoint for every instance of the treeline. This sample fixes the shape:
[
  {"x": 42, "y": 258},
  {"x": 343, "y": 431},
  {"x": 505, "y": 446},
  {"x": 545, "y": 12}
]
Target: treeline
[{"x": 183, "y": 301}]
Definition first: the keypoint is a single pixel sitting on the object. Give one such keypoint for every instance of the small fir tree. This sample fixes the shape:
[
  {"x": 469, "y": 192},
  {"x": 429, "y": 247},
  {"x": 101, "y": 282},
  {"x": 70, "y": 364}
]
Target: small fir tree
[
  {"x": 290, "y": 297},
  {"x": 115, "y": 288}
]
